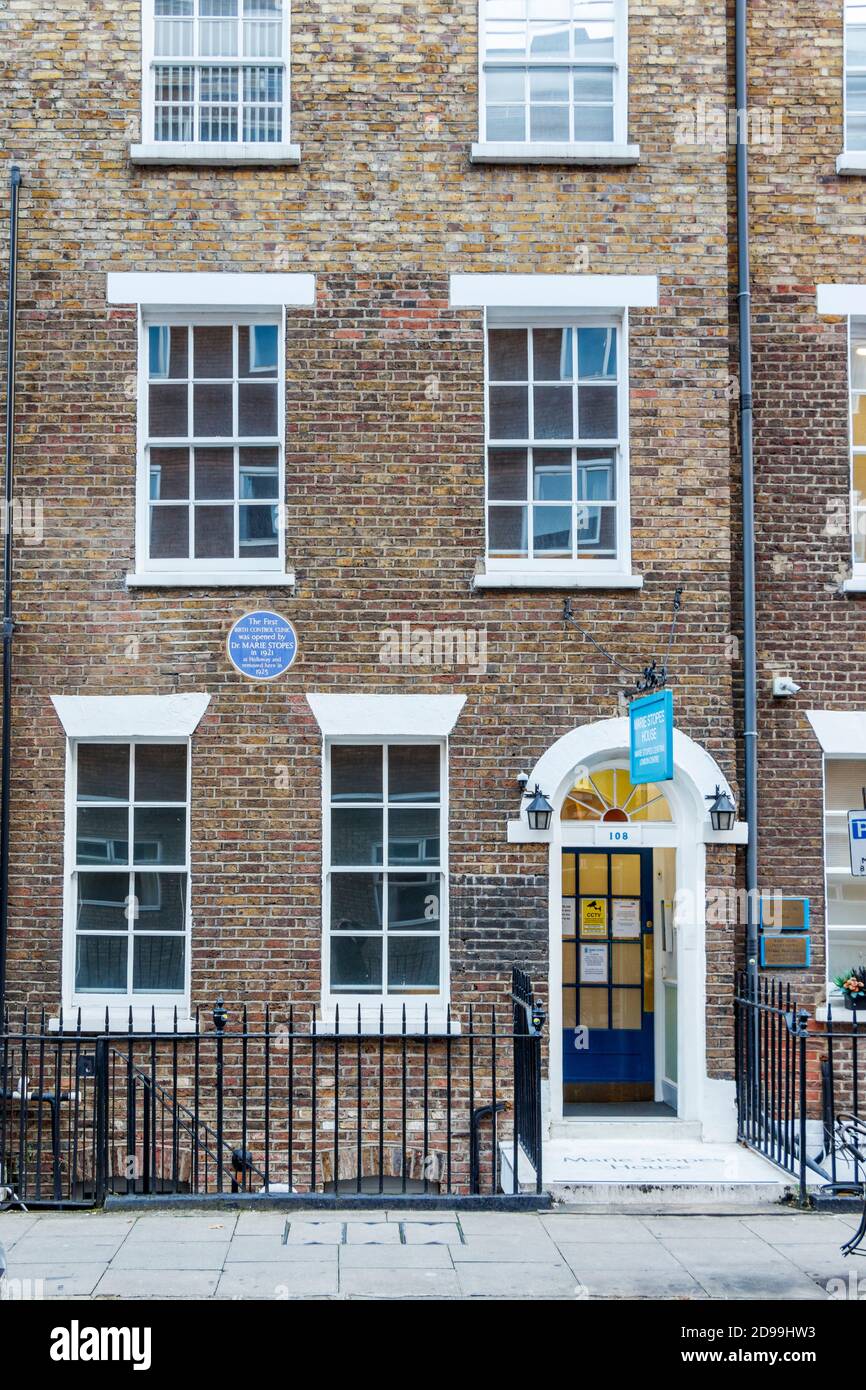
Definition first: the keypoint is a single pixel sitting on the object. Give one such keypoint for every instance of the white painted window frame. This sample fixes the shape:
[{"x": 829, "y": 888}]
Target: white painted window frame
[
  {"x": 152, "y": 151},
  {"x": 856, "y": 513},
  {"x": 370, "y": 1003},
  {"x": 614, "y": 151},
  {"x": 206, "y": 570},
  {"x": 829, "y": 872},
  {"x": 93, "y": 1005},
  {"x": 576, "y": 570}
]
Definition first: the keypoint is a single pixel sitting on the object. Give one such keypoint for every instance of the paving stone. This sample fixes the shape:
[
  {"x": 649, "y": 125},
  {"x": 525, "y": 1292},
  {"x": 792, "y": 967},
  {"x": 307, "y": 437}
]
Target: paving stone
[
  {"x": 269, "y": 1249},
  {"x": 516, "y": 1280},
  {"x": 195, "y": 1254},
  {"x": 372, "y": 1233},
  {"x": 584, "y": 1258},
  {"x": 694, "y": 1227},
  {"x": 395, "y": 1257},
  {"x": 310, "y": 1279},
  {"x": 35, "y": 1249},
  {"x": 637, "y": 1284},
  {"x": 183, "y": 1228},
  {"x": 436, "y": 1233},
  {"x": 399, "y": 1283},
  {"x": 505, "y": 1249},
  {"x": 433, "y": 1214},
  {"x": 315, "y": 1233},
  {"x": 611, "y": 1229},
  {"x": 253, "y": 1223},
  {"x": 797, "y": 1229},
  {"x": 14, "y": 1226},
  {"x": 157, "y": 1283},
  {"x": 64, "y": 1279}
]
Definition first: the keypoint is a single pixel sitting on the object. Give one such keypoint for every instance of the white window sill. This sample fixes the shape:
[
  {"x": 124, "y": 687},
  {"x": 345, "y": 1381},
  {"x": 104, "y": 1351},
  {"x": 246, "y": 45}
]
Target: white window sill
[
  {"x": 555, "y": 579},
  {"x": 181, "y": 152},
  {"x": 220, "y": 579},
  {"x": 851, "y": 162},
  {"x": 93, "y": 1019},
  {"x": 437, "y": 1022},
  {"x": 553, "y": 152},
  {"x": 857, "y": 583}
]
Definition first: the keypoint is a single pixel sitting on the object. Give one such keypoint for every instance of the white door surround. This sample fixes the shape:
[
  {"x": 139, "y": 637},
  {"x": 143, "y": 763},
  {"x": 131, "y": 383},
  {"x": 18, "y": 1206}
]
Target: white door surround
[{"x": 702, "y": 1099}]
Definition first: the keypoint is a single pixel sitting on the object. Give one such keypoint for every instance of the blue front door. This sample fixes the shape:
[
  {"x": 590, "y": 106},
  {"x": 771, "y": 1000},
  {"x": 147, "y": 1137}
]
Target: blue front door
[{"x": 607, "y": 975}]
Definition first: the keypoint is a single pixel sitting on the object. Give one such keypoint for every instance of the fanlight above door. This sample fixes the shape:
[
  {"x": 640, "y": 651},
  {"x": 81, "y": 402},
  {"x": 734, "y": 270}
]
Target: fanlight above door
[{"x": 608, "y": 794}]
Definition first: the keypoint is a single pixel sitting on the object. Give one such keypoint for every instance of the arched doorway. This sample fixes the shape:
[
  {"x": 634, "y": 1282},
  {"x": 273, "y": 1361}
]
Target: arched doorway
[{"x": 585, "y": 776}]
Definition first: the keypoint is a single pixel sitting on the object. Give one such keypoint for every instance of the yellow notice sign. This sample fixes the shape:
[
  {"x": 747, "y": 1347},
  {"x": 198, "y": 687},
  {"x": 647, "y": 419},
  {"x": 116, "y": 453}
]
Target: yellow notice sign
[{"x": 593, "y": 916}]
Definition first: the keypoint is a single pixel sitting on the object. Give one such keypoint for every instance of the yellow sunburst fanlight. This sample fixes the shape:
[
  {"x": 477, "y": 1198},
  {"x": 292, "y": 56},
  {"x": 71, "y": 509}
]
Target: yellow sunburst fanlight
[{"x": 608, "y": 794}]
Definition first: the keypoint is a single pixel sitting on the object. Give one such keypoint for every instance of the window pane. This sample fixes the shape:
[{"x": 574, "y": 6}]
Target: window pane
[
  {"x": 507, "y": 354},
  {"x": 553, "y": 354},
  {"x": 552, "y": 530},
  {"x": 356, "y": 964},
  {"x": 212, "y": 410},
  {"x": 160, "y": 772},
  {"x": 212, "y": 351},
  {"x": 214, "y": 533},
  {"x": 506, "y": 474},
  {"x": 596, "y": 530},
  {"x": 549, "y": 84},
  {"x": 855, "y": 45},
  {"x": 548, "y": 40},
  {"x": 257, "y": 528},
  {"x": 413, "y": 837},
  {"x": 160, "y": 836},
  {"x": 554, "y": 412},
  {"x": 413, "y": 964},
  {"x": 356, "y": 772},
  {"x": 169, "y": 533},
  {"x": 259, "y": 473},
  {"x": 258, "y": 346},
  {"x": 102, "y": 835},
  {"x": 160, "y": 902},
  {"x": 506, "y": 123},
  {"x": 506, "y": 39},
  {"x": 593, "y": 123},
  {"x": 169, "y": 473},
  {"x": 167, "y": 412},
  {"x": 414, "y": 902},
  {"x": 596, "y": 353},
  {"x": 507, "y": 530},
  {"x": 257, "y": 408},
  {"x": 167, "y": 351},
  {"x": 548, "y": 123},
  {"x": 596, "y": 408},
  {"x": 844, "y": 780},
  {"x": 356, "y": 902},
  {"x": 100, "y": 964},
  {"x": 858, "y": 364},
  {"x": 356, "y": 837},
  {"x": 551, "y": 475},
  {"x": 626, "y": 1008},
  {"x": 593, "y": 1008},
  {"x": 102, "y": 902},
  {"x": 157, "y": 964},
  {"x": 103, "y": 772},
  {"x": 506, "y": 85},
  {"x": 627, "y": 963},
  {"x": 593, "y": 84},
  {"x": 509, "y": 412},
  {"x": 596, "y": 476},
  {"x": 413, "y": 772},
  {"x": 214, "y": 473}
]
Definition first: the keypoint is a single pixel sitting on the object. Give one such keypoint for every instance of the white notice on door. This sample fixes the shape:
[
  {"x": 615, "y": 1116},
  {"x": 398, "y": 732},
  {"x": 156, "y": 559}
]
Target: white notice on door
[
  {"x": 625, "y": 918},
  {"x": 568, "y": 916}
]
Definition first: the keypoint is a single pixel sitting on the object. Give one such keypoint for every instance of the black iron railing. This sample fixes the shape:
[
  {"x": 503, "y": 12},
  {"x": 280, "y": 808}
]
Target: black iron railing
[
  {"x": 275, "y": 1108},
  {"x": 798, "y": 1086}
]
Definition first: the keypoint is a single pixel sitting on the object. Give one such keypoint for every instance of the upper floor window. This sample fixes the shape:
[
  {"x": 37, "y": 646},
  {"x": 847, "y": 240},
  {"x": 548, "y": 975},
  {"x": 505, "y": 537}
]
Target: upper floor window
[
  {"x": 855, "y": 76},
  {"x": 386, "y": 867},
  {"x": 211, "y": 466},
  {"x": 215, "y": 72},
  {"x": 557, "y": 485},
  {"x": 128, "y": 917},
  {"x": 858, "y": 443},
  {"x": 553, "y": 71}
]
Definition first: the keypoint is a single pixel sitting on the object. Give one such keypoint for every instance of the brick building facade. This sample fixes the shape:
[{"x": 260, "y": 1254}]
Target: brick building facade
[{"x": 391, "y": 221}]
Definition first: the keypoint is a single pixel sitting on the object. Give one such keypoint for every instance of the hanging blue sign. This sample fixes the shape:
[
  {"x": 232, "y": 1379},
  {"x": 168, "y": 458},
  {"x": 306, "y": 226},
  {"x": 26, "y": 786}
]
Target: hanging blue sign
[
  {"x": 262, "y": 646},
  {"x": 651, "y": 737}
]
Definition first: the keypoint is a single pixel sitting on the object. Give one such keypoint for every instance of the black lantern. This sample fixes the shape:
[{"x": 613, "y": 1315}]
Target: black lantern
[
  {"x": 539, "y": 810},
  {"x": 723, "y": 812}
]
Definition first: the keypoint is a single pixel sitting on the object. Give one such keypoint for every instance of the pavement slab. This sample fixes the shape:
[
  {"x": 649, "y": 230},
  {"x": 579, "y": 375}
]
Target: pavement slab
[
  {"x": 307, "y": 1280},
  {"x": 399, "y": 1283},
  {"x": 159, "y": 1255},
  {"x": 157, "y": 1283},
  {"x": 518, "y": 1281},
  {"x": 395, "y": 1257}
]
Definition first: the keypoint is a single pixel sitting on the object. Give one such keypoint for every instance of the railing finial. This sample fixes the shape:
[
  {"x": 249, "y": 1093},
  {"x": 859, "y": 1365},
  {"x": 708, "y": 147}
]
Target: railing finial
[{"x": 220, "y": 1017}]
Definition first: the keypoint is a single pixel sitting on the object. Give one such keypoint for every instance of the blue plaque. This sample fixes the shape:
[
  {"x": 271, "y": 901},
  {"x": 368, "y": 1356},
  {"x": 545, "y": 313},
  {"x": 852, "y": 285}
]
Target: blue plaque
[
  {"x": 262, "y": 646},
  {"x": 651, "y": 737}
]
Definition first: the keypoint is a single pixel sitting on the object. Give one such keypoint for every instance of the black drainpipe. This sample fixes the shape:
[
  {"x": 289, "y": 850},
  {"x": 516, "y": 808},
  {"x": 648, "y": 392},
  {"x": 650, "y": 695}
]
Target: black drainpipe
[
  {"x": 8, "y": 626},
  {"x": 744, "y": 302}
]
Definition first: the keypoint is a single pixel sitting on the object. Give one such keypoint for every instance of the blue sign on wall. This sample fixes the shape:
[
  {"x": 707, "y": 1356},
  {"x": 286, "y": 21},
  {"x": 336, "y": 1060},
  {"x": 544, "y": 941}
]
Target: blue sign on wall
[
  {"x": 651, "y": 737},
  {"x": 262, "y": 646}
]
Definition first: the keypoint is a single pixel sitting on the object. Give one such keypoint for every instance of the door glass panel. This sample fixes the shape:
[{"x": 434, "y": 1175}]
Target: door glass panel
[
  {"x": 568, "y": 875},
  {"x": 593, "y": 1007},
  {"x": 626, "y": 964},
  {"x": 625, "y": 874},
  {"x": 569, "y": 1013},
  {"x": 626, "y": 1008},
  {"x": 593, "y": 873},
  {"x": 568, "y": 960}
]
